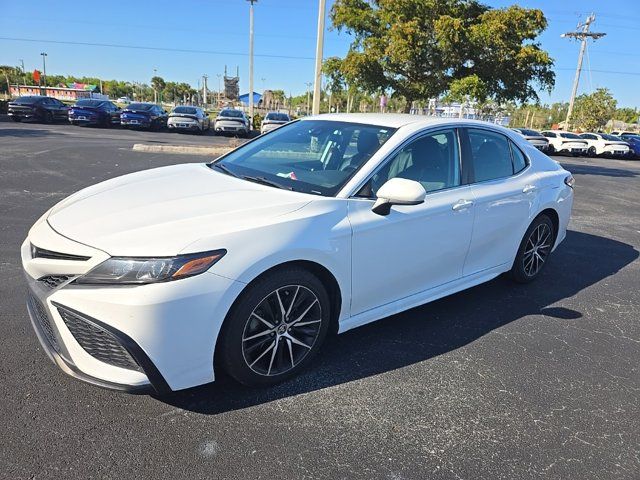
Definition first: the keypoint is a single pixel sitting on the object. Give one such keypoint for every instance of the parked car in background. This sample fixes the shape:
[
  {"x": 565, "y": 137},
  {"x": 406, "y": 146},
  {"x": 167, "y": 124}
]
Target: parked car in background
[
  {"x": 87, "y": 111},
  {"x": 566, "y": 142},
  {"x": 273, "y": 120},
  {"x": 38, "y": 108},
  {"x": 125, "y": 100},
  {"x": 604, "y": 144},
  {"x": 162, "y": 279},
  {"x": 633, "y": 140},
  {"x": 143, "y": 115},
  {"x": 189, "y": 118},
  {"x": 618, "y": 133},
  {"x": 232, "y": 121},
  {"x": 534, "y": 138}
]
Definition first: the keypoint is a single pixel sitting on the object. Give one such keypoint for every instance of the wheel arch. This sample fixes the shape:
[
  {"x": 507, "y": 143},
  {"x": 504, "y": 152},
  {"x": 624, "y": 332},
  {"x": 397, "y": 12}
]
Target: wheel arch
[
  {"x": 555, "y": 219},
  {"x": 327, "y": 278}
]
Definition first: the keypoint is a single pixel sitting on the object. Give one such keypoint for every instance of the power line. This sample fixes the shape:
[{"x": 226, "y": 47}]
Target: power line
[
  {"x": 616, "y": 72},
  {"x": 141, "y": 47}
]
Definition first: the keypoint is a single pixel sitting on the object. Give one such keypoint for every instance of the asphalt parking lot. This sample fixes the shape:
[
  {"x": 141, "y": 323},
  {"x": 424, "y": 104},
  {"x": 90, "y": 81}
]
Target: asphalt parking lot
[{"x": 499, "y": 382}]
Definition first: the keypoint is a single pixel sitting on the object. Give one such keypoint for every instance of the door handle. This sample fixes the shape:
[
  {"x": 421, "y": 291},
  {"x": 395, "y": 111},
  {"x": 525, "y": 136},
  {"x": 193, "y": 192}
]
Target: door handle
[
  {"x": 461, "y": 205},
  {"x": 528, "y": 188}
]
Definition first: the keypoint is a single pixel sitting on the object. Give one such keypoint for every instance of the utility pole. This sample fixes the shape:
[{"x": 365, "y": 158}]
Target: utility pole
[
  {"x": 23, "y": 72},
  {"x": 155, "y": 92},
  {"x": 44, "y": 68},
  {"x": 308, "y": 84},
  {"x": 219, "y": 89},
  {"x": 204, "y": 88},
  {"x": 319, "y": 44},
  {"x": 251, "y": 2},
  {"x": 582, "y": 33}
]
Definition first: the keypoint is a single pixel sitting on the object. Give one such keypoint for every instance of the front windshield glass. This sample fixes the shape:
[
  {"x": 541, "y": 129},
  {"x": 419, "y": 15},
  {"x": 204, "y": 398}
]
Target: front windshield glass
[{"x": 311, "y": 156}]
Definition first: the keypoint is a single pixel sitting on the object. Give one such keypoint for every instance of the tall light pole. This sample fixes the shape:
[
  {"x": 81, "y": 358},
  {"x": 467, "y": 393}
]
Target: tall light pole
[
  {"x": 219, "y": 75},
  {"x": 44, "y": 68},
  {"x": 308, "y": 84},
  {"x": 582, "y": 34},
  {"x": 204, "y": 88},
  {"x": 319, "y": 44},
  {"x": 23, "y": 73},
  {"x": 251, "y": 2},
  {"x": 155, "y": 92}
]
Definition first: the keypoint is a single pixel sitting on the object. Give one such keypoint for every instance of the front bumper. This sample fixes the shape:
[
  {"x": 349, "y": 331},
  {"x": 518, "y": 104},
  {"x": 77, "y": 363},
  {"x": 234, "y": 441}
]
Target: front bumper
[{"x": 167, "y": 330}]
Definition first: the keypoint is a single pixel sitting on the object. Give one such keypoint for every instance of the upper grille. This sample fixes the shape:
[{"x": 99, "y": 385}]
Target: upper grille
[
  {"x": 97, "y": 342},
  {"x": 42, "y": 318},
  {"x": 52, "y": 281},
  {"x": 37, "y": 252}
]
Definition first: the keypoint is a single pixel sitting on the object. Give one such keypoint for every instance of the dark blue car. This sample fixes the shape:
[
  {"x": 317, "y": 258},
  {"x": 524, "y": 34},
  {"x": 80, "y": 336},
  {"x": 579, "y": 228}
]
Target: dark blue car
[
  {"x": 634, "y": 143},
  {"x": 143, "y": 115},
  {"x": 88, "y": 111}
]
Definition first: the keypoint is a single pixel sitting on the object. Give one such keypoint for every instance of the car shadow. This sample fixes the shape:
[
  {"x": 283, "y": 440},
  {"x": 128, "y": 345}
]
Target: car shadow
[
  {"x": 26, "y": 132},
  {"x": 431, "y": 330},
  {"x": 576, "y": 169}
]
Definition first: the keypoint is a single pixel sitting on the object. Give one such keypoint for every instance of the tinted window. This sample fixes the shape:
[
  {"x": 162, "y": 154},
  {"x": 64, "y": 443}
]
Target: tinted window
[
  {"x": 549, "y": 134},
  {"x": 519, "y": 160},
  {"x": 88, "y": 103},
  {"x": 529, "y": 133},
  {"x": 187, "y": 110},
  {"x": 27, "y": 100},
  {"x": 432, "y": 160},
  {"x": 140, "y": 106},
  {"x": 281, "y": 117},
  {"x": 308, "y": 156},
  {"x": 490, "y": 154},
  {"x": 231, "y": 113},
  {"x": 569, "y": 135},
  {"x": 610, "y": 137}
]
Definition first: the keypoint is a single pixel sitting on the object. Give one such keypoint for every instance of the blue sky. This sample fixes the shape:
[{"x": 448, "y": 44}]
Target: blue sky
[{"x": 285, "y": 41}]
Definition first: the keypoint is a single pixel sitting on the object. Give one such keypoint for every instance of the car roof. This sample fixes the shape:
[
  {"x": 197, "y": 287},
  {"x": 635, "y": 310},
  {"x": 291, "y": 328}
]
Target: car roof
[{"x": 395, "y": 120}]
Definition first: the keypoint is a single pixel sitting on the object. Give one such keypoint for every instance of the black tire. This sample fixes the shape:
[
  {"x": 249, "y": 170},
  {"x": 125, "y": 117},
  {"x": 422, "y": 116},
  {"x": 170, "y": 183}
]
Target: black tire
[
  {"x": 16, "y": 119},
  {"x": 592, "y": 152},
  {"x": 541, "y": 234},
  {"x": 48, "y": 117},
  {"x": 242, "y": 356}
]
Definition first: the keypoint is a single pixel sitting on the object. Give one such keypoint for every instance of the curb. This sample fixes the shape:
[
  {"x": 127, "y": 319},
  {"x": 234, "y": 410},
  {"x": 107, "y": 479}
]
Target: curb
[{"x": 183, "y": 149}]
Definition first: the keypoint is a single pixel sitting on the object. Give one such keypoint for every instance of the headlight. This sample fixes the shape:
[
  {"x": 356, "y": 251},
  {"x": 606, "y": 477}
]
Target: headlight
[{"x": 138, "y": 271}]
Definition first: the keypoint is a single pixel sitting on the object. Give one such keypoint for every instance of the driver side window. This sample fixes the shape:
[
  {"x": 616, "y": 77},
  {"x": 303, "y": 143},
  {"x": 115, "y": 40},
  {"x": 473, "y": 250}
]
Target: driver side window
[{"x": 433, "y": 160}]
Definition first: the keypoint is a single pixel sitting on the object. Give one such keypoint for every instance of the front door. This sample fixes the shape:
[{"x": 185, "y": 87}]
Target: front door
[{"x": 418, "y": 247}]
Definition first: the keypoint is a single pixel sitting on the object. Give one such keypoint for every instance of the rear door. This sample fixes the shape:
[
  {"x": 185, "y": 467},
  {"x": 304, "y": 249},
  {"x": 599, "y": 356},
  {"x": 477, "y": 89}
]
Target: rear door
[{"x": 505, "y": 196}]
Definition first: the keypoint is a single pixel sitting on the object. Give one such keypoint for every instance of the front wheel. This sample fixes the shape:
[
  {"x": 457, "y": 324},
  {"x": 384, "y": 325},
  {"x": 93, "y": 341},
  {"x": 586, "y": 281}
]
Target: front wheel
[
  {"x": 275, "y": 328},
  {"x": 16, "y": 119},
  {"x": 592, "y": 151},
  {"x": 534, "y": 250}
]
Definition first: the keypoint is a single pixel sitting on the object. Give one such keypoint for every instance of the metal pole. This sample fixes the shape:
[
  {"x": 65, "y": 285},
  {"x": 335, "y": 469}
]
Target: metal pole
[
  {"x": 44, "y": 68},
  {"x": 204, "y": 89},
  {"x": 319, "y": 44},
  {"x": 308, "y": 84},
  {"x": 251, "y": 2}
]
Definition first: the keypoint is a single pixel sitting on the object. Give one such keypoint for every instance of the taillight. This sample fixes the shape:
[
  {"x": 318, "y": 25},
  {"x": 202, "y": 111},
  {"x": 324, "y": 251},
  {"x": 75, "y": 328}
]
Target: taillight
[{"x": 569, "y": 181}]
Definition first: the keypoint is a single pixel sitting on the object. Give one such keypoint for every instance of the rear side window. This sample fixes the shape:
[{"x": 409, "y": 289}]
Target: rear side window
[
  {"x": 490, "y": 155},
  {"x": 519, "y": 160}
]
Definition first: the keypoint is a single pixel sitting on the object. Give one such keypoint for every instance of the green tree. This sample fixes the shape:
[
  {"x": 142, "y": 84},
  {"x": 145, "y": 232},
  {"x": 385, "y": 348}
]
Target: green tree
[
  {"x": 417, "y": 49},
  {"x": 593, "y": 111}
]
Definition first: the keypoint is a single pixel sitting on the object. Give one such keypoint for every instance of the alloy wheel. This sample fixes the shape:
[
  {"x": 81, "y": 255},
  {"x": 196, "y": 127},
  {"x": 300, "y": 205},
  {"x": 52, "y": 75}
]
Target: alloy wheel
[
  {"x": 537, "y": 249},
  {"x": 281, "y": 330}
]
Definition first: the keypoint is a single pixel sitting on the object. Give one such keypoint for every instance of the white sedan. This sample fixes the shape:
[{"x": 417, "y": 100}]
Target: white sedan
[
  {"x": 603, "y": 144},
  {"x": 566, "y": 142},
  {"x": 161, "y": 279}
]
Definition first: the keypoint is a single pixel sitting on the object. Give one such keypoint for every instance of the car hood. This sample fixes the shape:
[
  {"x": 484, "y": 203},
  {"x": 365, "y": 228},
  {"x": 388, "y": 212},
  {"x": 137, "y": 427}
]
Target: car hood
[{"x": 160, "y": 212}]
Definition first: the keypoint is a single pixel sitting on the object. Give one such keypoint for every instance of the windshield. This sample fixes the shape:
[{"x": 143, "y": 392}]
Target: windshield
[
  {"x": 529, "y": 133},
  {"x": 187, "y": 110},
  {"x": 570, "y": 135},
  {"x": 278, "y": 117},
  {"x": 27, "y": 100},
  {"x": 231, "y": 113},
  {"x": 311, "y": 156},
  {"x": 606, "y": 136},
  {"x": 88, "y": 103},
  {"x": 140, "y": 106}
]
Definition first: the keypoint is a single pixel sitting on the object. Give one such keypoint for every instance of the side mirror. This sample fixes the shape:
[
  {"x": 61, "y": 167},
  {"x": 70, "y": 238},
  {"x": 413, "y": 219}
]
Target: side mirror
[{"x": 398, "y": 191}]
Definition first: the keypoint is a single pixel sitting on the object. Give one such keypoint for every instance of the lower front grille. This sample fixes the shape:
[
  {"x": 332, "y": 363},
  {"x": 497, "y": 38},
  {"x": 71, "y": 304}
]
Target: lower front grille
[
  {"x": 52, "y": 281},
  {"x": 96, "y": 341},
  {"x": 40, "y": 312}
]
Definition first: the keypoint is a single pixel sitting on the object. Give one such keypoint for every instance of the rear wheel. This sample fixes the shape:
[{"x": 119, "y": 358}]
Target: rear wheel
[
  {"x": 551, "y": 149},
  {"x": 534, "y": 250},
  {"x": 591, "y": 152},
  {"x": 275, "y": 328},
  {"x": 48, "y": 117},
  {"x": 16, "y": 119}
]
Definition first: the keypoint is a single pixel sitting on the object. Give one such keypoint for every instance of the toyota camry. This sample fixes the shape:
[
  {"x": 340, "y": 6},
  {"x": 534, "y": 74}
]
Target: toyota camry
[{"x": 161, "y": 279}]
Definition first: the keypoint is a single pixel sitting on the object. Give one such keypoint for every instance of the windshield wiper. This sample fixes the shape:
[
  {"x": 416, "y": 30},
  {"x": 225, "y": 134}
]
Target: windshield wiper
[
  {"x": 265, "y": 181},
  {"x": 224, "y": 169}
]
